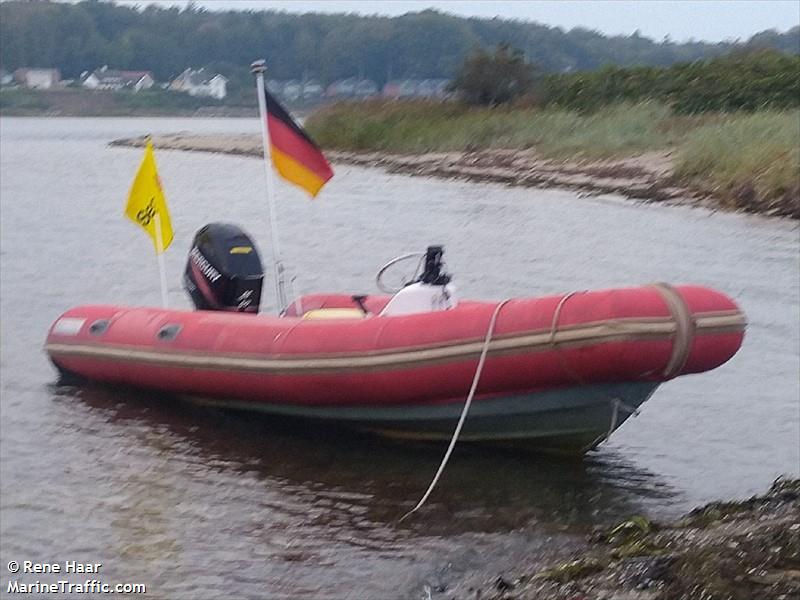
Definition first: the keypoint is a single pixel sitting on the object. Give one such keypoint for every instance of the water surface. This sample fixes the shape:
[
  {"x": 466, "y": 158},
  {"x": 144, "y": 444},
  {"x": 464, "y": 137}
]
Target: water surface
[{"x": 198, "y": 503}]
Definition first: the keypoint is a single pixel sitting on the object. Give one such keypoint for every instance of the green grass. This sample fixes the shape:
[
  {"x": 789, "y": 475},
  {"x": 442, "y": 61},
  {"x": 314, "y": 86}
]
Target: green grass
[
  {"x": 164, "y": 100},
  {"x": 428, "y": 127},
  {"x": 745, "y": 155},
  {"x": 749, "y": 160},
  {"x": 20, "y": 99}
]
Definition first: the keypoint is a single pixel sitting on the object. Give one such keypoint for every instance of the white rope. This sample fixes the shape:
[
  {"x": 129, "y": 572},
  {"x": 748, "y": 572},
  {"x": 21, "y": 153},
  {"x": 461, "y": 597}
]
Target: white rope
[
  {"x": 557, "y": 314},
  {"x": 475, "y": 379},
  {"x": 616, "y": 404}
]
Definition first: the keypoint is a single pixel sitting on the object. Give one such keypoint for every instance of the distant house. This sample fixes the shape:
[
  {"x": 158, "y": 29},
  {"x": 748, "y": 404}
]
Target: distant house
[
  {"x": 365, "y": 87},
  {"x": 201, "y": 83},
  {"x": 341, "y": 87},
  {"x": 433, "y": 88},
  {"x": 111, "y": 79},
  {"x": 312, "y": 89},
  {"x": 39, "y": 79},
  {"x": 275, "y": 86},
  {"x": 292, "y": 90},
  {"x": 400, "y": 88},
  {"x": 391, "y": 89},
  {"x": 352, "y": 86},
  {"x": 416, "y": 88}
]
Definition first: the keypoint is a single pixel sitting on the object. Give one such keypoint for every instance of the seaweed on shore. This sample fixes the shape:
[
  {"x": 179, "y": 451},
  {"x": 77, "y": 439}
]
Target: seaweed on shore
[{"x": 721, "y": 551}]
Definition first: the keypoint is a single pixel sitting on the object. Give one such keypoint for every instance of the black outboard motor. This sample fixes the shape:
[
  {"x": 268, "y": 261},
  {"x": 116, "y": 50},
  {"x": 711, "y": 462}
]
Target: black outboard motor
[{"x": 224, "y": 270}]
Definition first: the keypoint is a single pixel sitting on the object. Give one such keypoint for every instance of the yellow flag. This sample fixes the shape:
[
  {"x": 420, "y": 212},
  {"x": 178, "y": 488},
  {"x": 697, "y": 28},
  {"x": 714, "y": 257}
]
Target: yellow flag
[{"x": 147, "y": 206}]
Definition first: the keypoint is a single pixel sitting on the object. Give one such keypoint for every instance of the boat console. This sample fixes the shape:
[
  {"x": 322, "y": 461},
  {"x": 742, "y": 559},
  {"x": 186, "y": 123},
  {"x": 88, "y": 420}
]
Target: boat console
[{"x": 430, "y": 292}]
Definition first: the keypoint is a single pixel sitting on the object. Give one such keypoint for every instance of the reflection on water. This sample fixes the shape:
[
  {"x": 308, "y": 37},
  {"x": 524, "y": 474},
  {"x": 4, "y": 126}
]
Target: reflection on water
[
  {"x": 349, "y": 479},
  {"x": 321, "y": 506},
  {"x": 201, "y": 503}
]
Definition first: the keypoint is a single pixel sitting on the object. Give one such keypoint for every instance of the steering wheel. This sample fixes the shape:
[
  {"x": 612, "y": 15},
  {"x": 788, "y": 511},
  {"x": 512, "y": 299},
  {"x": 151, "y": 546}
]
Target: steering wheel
[{"x": 403, "y": 257}]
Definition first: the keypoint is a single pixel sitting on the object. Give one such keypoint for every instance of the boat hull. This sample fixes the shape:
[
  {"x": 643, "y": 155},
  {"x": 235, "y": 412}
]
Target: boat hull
[{"x": 568, "y": 420}]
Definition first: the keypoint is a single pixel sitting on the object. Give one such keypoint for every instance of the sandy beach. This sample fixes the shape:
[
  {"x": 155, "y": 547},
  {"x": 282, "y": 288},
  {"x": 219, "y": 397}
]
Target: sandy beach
[{"x": 645, "y": 177}]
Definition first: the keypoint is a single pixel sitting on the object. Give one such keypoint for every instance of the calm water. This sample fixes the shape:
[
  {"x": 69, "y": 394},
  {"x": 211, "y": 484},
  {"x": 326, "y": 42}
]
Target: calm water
[{"x": 197, "y": 503}]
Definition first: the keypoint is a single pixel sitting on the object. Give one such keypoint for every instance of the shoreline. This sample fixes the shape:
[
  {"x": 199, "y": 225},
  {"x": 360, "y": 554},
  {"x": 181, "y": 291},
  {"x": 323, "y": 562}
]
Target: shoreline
[
  {"x": 723, "y": 550},
  {"x": 646, "y": 177}
]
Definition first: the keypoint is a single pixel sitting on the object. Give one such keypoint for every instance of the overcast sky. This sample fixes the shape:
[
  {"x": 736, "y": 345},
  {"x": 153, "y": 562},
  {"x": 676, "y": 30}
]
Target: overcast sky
[{"x": 712, "y": 20}]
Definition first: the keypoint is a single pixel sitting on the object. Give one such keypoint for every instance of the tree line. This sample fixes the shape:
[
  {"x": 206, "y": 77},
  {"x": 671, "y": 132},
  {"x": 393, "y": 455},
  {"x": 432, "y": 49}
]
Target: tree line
[
  {"x": 427, "y": 44},
  {"x": 743, "y": 80}
]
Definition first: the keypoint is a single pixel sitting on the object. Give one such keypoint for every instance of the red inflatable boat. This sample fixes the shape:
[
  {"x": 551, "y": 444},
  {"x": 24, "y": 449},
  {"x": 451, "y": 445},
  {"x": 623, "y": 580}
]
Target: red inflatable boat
[{"x": 561, "y": 371}]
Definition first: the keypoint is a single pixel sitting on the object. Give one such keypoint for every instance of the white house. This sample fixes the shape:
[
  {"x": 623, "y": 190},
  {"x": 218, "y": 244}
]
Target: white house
[
  {"x": 352, "y": 86},
  {"x": 201, "y": 83},
  {"x": 419, "y": 88},
  {"x": 40, "y": 79},
  {"x": 275, "y": 86},
  {"x": 110, "y": 79},
  {"x": 365, "y": 87},
  {"x": 292, "y": 90}
]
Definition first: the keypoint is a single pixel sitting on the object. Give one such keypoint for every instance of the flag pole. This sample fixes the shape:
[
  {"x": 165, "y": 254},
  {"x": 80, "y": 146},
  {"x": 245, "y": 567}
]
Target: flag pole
[
  {"x": 258, "y": 68},
  {"x": 160, "y": 254}
]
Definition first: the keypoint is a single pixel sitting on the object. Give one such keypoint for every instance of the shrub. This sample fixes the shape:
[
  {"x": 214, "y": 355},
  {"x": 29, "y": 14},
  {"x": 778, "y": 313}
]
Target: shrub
[{"x": 491, "y": 79}]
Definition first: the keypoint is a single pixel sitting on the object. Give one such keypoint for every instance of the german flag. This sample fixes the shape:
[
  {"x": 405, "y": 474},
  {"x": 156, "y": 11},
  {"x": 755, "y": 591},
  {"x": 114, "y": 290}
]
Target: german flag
[{"x": 295, "y": 155}]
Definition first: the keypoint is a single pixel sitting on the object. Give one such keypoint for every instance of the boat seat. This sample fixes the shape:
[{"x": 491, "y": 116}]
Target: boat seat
[{"x": 319, "y": 314}]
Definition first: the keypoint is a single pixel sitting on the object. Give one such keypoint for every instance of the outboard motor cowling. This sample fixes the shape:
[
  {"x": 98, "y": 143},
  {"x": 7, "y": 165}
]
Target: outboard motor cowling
[{"x": 224, "y": 271}]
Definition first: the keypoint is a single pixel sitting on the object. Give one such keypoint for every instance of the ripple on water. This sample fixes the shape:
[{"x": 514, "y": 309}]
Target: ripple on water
[{"x": 188, "y": 499}]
